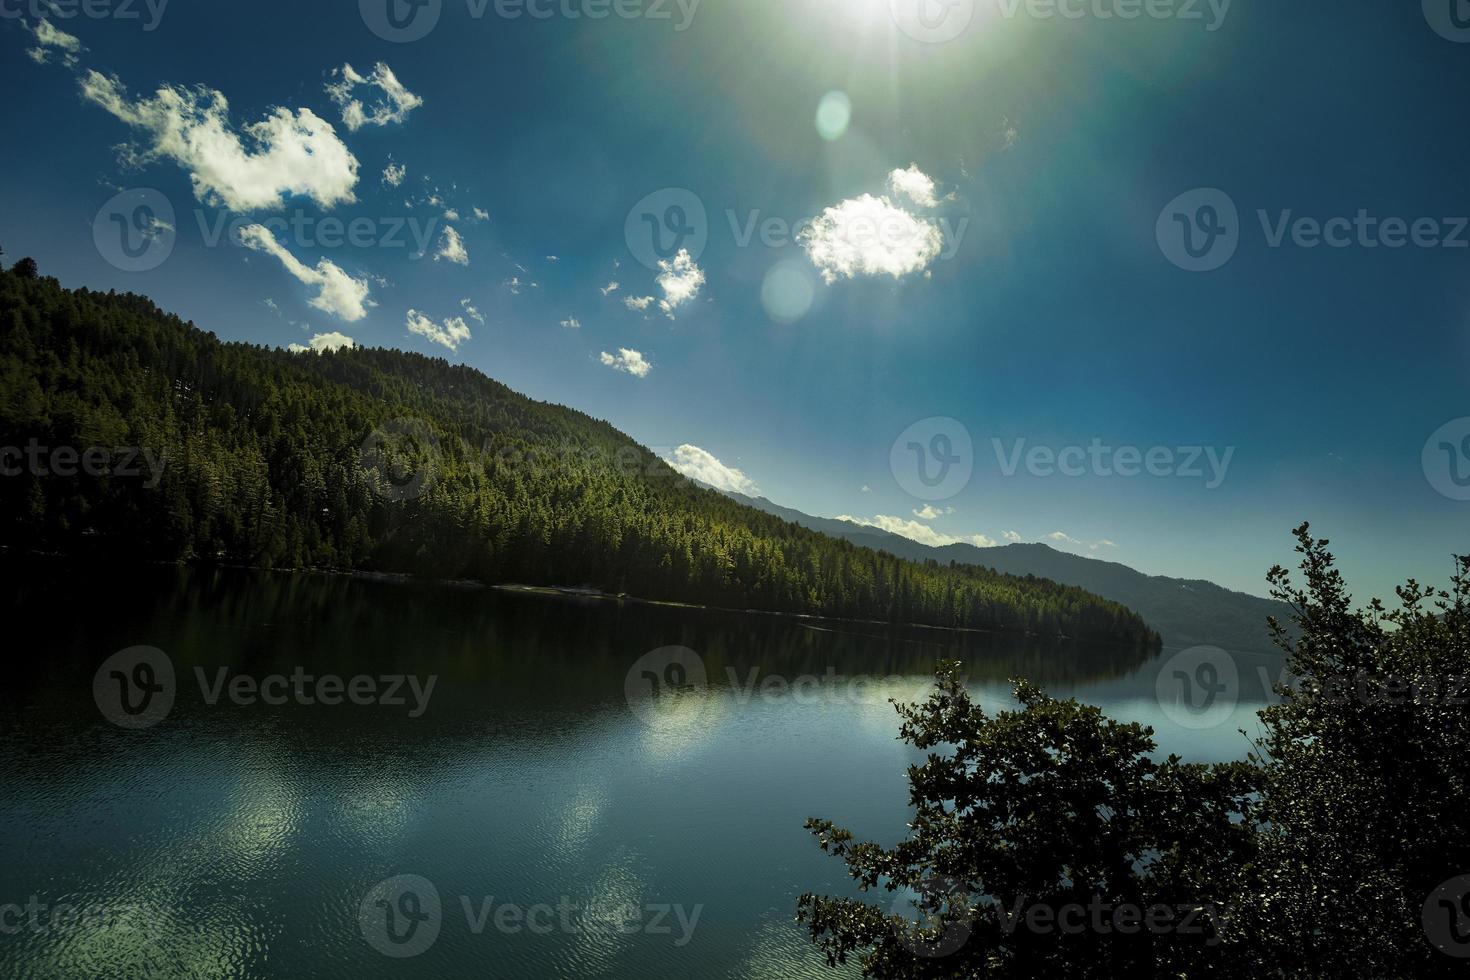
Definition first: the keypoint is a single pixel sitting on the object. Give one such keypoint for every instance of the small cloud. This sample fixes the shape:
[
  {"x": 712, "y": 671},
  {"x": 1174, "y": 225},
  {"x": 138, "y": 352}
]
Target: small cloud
[
  {"x": 572, "y": 323},
  {"x": 929, "y": 512},
  {"x": 481, "y": 214},
  {"x": 393, "y": 174},
  {"x": 53, "y": 42},
  {"x": 471, "y": 312},
  {"x": 451, "y": 248},
  {"x": 866, "y": 489},
  {"x": 323, "y": 342},
  {"x": 552, "y": 258},
  {"x": 611, "y": 288},
  {"x": 450, "y": 333},
  {"x": 393, "y": 106},
  {"x": 1014, "y": 537},
  {"x": 338, "y": 293},
  {"x": 680, "y": 279},
  {"x": 514, "y": 284},
  {"x": 915, "y": 185},
  {"x": 628, "y": 361},
  {"x": 451, "y": 215},
  {"x": 638, "y": 303},
  {"x": 697, "y": 464}
]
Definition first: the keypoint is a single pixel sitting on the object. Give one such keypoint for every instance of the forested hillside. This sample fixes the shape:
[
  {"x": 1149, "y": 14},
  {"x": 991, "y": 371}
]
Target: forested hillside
[{"x": 389, "y": 461}]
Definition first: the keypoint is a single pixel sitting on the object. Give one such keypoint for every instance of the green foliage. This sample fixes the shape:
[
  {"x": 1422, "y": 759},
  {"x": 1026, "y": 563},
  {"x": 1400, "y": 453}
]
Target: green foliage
[
  {"x": 381, "y": 460},
  {"x": 26, "y": 268},
  {"x": 1315, "y": 857}
]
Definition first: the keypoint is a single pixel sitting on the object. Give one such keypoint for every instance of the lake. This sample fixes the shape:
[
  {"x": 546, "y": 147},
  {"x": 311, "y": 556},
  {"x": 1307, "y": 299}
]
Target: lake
[{"x": 355, "y": 778}]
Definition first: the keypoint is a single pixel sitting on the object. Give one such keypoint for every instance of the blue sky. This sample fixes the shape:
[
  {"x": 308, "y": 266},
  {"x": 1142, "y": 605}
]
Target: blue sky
[{"x": 994, "y": 237}]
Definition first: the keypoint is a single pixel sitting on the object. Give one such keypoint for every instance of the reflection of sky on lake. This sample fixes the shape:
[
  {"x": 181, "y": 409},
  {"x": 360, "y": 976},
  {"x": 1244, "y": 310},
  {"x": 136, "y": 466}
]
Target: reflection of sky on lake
[{"x": 253, "y": 833}]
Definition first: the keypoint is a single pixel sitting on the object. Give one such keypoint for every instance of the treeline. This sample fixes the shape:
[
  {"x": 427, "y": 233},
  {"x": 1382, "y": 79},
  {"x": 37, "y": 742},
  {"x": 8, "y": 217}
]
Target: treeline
[{"x": 382, "y": 460}]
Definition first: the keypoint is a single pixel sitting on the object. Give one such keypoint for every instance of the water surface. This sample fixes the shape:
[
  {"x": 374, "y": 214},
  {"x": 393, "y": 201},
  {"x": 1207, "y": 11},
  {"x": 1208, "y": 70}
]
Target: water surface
[{"x": 564, "y": 832}]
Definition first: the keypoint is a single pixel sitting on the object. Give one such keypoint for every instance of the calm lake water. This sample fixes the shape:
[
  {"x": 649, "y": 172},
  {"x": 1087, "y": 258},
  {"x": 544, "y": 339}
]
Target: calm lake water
[{"x": 541, "y": 811}]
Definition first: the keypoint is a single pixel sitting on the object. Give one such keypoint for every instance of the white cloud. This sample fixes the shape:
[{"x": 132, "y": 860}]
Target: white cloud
[
  {"x": 929, "y": 512},
  {"x": 695, "y": 463},
  {"x": 553, "y": 258},
  {"x": 471, "y": 312},
  {"x": 286, "y": 153},
  {"x": 514, "y": 284},
  {"x": 680, "y": 279},
  {"x": 451, "y": 215},
  {"x": 572, "y": 323},
  {"x": 611, "y": 288},
  {"x": 1014, "y": 537},
  {"x": 1061, "y": 537},
  {"x": 393, "y": 174},
  {"x": 866, "y": 489},
  {"x": 337, "y": 293},
  {"x": 393, "y": 106},
  {"x": 922, "y": 533},
  {"x": 915, "y": 185},
  {"x": 638, "y": 303},
  {"x": 481, "y": 214},
  {"x": 870, "y": 236},
  {"x": 451, "y": 247},
  {"x": 628, "y": 361},
  {"x": 53, "y": 41},
  {"x": 323, "y": 342},
  {"x": 451, "y": 333}
]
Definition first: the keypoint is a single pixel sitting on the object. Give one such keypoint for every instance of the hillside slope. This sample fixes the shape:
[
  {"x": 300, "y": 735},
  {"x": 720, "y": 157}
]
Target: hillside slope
[{"x": 390, "y": 461}]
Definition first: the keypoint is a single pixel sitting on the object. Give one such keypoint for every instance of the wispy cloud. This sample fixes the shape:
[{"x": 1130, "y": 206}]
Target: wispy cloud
[
  {"x": 916, "y": 531},
  {"x": 1061, "y": 537},
  {"x": 337, "y": 293},
  {"x": 392, "y": 105},
  {"x": 449, "y": 333}
]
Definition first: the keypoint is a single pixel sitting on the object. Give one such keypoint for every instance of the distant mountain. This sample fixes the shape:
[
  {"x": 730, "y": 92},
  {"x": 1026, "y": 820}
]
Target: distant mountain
[
  {"x": 1187, "y": 612},
  {"x": 385, "y": 461}
]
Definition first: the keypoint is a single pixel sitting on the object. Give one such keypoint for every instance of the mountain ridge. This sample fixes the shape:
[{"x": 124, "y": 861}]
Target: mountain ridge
[{"x": 1186, "y": 612}]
